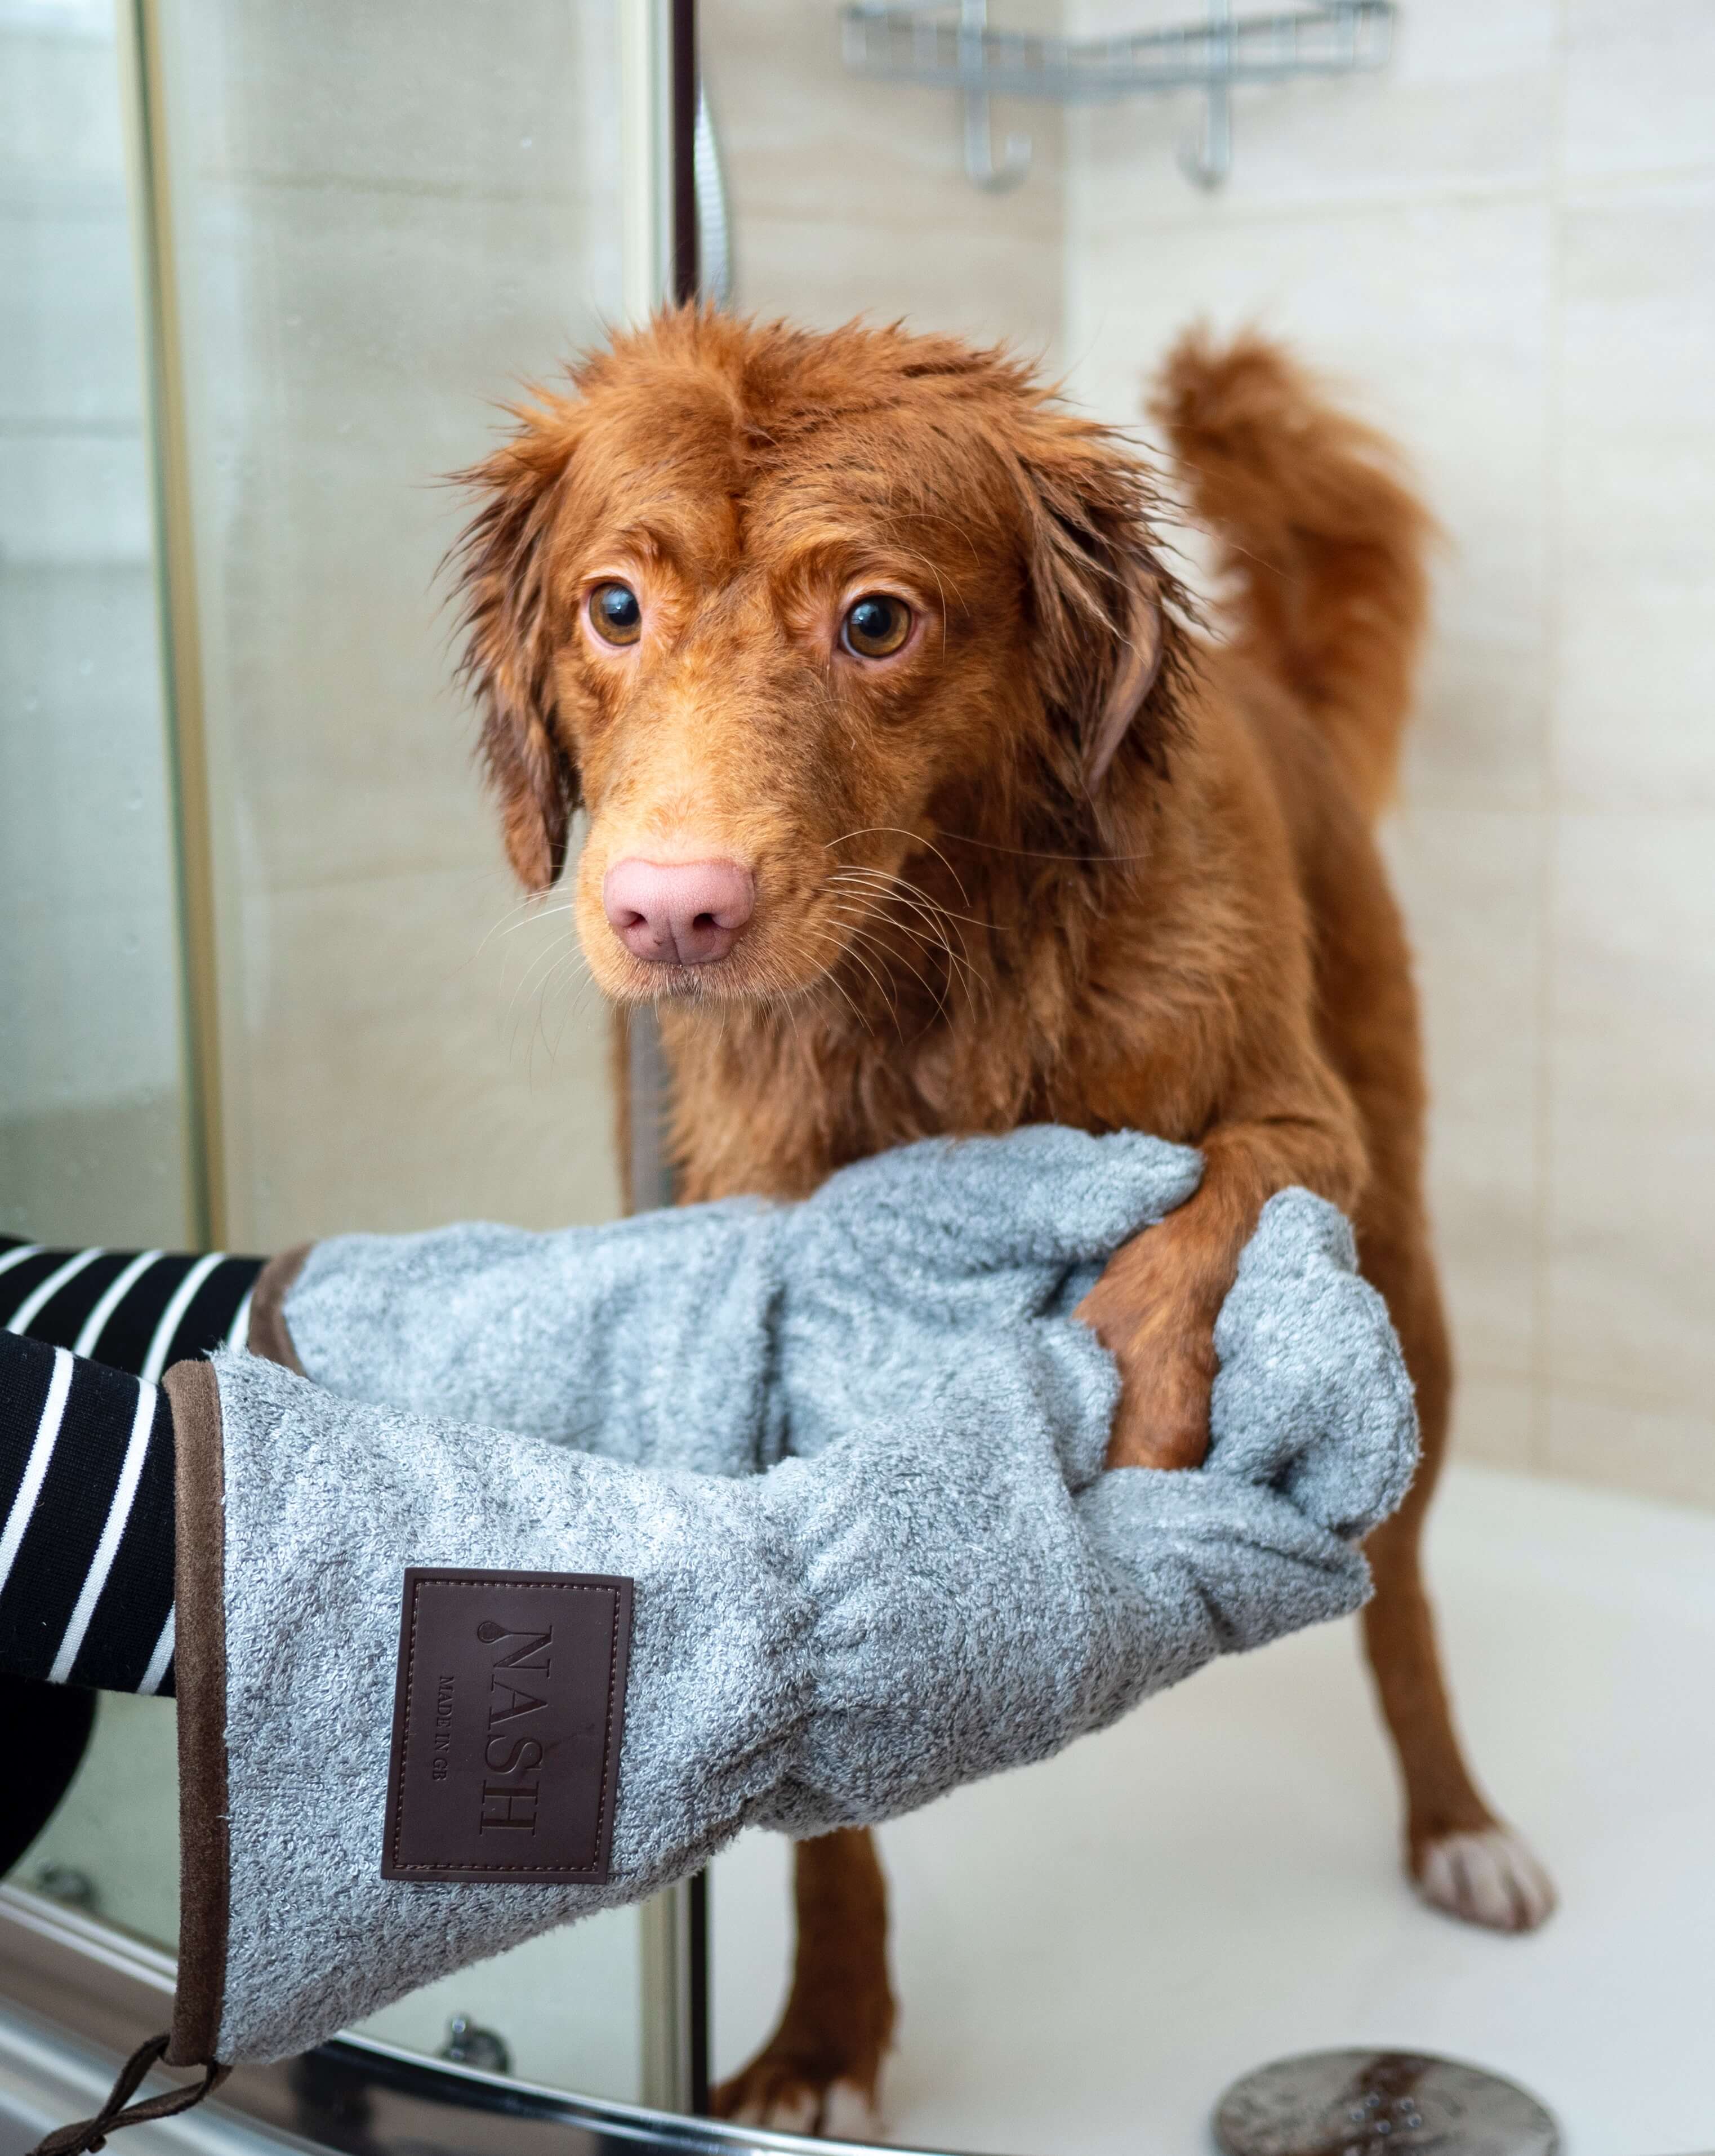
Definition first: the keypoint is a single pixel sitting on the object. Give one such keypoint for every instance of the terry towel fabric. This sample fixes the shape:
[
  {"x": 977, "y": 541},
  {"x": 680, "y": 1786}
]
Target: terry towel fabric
[{"x": 931, "y": 1580}]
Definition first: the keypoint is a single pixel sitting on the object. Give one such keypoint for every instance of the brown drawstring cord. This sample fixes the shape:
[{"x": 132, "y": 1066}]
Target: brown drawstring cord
[{"x": 91, "y": 2133}]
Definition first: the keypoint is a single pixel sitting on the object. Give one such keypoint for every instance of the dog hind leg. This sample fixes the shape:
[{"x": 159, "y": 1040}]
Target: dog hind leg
[{"x": 1462, "y": 1858}]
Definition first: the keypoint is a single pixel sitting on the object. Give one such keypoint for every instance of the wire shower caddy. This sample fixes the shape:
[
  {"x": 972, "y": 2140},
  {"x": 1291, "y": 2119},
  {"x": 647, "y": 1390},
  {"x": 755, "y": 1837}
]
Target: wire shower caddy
[{"x": 950, "y": 45}]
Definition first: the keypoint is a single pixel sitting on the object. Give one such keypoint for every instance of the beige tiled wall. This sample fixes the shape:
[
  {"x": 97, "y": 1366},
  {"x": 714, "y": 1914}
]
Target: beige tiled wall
[
  {"x": 92, "y": 1135},
  {"x": 849, "y": 196},
  {"x": 1505, "y": 247},
  {"x": 379, "y": 237}
]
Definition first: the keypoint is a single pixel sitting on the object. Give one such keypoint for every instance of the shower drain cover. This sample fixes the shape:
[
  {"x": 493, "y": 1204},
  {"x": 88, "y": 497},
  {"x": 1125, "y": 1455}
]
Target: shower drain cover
[{"x": 1360, "y": 2103}]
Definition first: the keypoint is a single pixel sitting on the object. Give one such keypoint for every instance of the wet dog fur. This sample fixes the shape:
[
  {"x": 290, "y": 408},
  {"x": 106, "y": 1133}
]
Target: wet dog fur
[{"x": 1060, "y": 856}]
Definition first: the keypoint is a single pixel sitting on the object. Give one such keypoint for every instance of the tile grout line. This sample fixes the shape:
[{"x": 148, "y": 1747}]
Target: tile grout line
[
  {"x": 1548, "y": 833},
  {"x": 1594, "y": 188}
]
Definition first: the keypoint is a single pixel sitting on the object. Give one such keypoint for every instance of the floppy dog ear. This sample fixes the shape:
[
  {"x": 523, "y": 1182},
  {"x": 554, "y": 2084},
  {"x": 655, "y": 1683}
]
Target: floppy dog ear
[
  {"x": 1132, "y": 675},
  {"x": 1105, "y": 603},
  {"x": 504, "y": 577}
]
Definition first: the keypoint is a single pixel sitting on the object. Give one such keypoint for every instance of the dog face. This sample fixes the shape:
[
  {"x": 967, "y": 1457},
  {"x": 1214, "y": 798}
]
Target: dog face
[{"x": 775, "y": 607}]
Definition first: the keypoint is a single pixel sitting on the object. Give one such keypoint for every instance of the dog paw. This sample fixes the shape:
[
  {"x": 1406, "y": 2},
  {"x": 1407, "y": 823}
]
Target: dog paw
[
  {"x": 793, "y": 2099},
  {"x": 1486, "y": 1875},
  {"x": 851, "y": 2113}
]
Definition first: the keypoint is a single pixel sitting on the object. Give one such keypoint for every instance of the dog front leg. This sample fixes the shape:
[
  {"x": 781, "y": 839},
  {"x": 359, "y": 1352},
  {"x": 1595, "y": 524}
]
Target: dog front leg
[
  {"x": 1155, "y": 1306},
  {"x": 820, "y": 2072}
]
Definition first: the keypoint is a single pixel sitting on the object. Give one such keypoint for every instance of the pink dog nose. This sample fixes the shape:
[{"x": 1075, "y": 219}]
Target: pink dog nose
[{"x": 689, "y": 914}]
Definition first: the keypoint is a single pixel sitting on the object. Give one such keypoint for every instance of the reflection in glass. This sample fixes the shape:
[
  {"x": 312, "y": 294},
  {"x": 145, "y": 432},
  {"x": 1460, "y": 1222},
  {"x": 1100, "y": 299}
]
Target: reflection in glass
[
  {"x": 371, "y": 236},
  {"x": 92, "y": 1132}
]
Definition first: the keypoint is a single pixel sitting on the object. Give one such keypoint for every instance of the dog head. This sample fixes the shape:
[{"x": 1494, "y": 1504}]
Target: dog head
[{"x": 783, "y": 610}]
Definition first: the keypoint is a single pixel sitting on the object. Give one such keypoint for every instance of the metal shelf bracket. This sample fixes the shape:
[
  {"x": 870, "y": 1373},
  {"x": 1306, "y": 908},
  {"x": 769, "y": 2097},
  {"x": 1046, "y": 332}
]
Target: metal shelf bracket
[{"x": 950, "y": 45}]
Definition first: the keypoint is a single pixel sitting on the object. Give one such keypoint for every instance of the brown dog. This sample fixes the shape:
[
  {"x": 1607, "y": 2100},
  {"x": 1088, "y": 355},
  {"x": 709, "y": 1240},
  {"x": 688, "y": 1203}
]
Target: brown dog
[{"x": 916, "y": 806}]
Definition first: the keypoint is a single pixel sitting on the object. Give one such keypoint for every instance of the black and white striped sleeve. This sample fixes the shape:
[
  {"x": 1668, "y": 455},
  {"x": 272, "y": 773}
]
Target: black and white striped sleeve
[
  {"x": 140, "y": 1311},
  {"x": 86, "y": 1548},
  {"x": 86, "y": 1452}
]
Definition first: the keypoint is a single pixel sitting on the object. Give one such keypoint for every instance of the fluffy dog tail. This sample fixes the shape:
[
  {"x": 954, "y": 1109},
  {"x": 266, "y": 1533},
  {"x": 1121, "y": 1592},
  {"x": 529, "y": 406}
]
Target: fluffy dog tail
[{"x": 1319, "y": 532}]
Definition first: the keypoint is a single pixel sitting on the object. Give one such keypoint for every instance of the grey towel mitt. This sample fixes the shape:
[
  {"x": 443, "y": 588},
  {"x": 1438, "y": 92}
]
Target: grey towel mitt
[
  {"x": 935, "y": 1595},
  {"x": 724, "y": 1336}
]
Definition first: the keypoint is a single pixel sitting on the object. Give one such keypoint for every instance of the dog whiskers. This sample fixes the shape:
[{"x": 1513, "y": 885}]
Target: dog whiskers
[
  {"x": 937, "y": 1001},
  {"x": 893, "y": 830},
  {"x": 912, "y": 893},
  {"x": 557, "y": 954},
  {"x": 904, "y": 885},
  {"x": 530, "y": 921},
  {"x": 569, "y": 1014},
  {"x": 790, "y": 998},
  {"x": 1034, "y": 853},
  {"x": 875, "y": 897},
  {"x": 519, "y": 914},
  {"x": 563, "y": 958},
  {"x": 876, "y": 884},
  {"x": 860, "y": 931},
  {"x": 833, "y": 981},
  {"x": 858, "y": 959}
]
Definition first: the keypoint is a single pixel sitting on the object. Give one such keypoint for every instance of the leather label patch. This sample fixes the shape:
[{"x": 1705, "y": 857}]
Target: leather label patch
[{"x": 508, "y": 1718}]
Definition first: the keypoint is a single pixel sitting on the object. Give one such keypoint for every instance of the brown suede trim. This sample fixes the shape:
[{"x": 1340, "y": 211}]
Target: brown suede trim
[
  {"x": 268, "y": 1335},
  {"x": 199, "y": 1667}
]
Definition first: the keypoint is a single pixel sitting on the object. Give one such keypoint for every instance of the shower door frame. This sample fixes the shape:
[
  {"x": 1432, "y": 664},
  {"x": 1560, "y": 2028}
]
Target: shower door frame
[
  {"x": 82, "y": 1980},
  {"x": 61, "y": 1971}
]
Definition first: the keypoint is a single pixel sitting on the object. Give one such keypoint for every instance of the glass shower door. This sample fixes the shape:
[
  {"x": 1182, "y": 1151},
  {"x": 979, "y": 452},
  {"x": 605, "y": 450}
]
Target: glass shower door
[
  {"x": 370, "y": 239},
  {"x": 92, "y": 1137},
  {"x": 273, "y": 980}
]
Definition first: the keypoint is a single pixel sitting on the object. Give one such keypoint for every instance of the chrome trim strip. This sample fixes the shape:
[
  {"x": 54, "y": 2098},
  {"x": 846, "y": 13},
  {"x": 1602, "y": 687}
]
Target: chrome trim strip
[
  {"x": 191, "y": 795},
  {"x": 356, "y": 2095}
]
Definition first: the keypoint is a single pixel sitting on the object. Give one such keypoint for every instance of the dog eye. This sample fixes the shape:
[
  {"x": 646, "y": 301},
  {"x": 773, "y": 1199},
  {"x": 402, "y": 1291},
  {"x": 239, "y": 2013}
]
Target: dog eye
[
  {"x": 615, "y": 614},
  {"x": 875, "y": 626}
]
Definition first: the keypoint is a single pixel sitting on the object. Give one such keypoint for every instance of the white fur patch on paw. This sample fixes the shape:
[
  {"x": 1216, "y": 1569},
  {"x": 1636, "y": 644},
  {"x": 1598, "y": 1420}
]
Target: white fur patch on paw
[
  {"x": 787, "y": 2111},
  {"x": 851, "y": 2115},
  {"x": 1486, "y": 1877}
]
